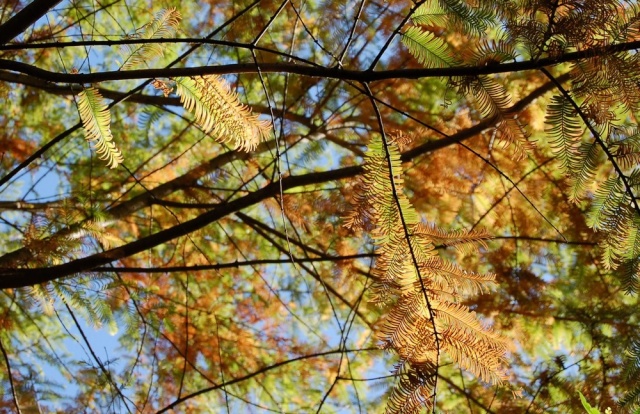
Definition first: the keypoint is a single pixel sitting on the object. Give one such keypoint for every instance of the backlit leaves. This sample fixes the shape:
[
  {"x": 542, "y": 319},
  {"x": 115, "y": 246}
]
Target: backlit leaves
[
  {"x": 96, "y": 120},
  {"x": 425, "y": 321},
  {"x": 217, "y": 110},
  {"x": 164, "y": 25},
  {"x": 429, "y": 49}
]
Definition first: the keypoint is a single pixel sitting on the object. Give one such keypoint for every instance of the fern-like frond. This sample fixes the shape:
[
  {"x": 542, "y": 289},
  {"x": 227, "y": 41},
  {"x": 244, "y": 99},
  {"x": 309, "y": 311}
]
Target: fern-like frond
[
  {"x": 414, "y": 389},
  {"x": 92, "y": 307},
  {"x": 458, "y": 317},
  {"x": 375, "y": 197},
  {"x": 473, "y": 20},
  {"x": 408, "y": 330},
  {"x": 493, "y": 53},
  {"x": 218, "y": 110},
  {"x": 96, "y": 231},
  {"x": 449, "y": 278},
  {"x": 583, "y": 169},
  {"x": 429, "y": 49},
  {"x": 563, "y": 127},
  {"x": 164, "y": 25},
  {"x": 96, "y": 120},
  {"x": 482, "y": 358},
  {"x": 461, "y": 239},
  {"x": 423, "y": 289},
  {"x": 430, "y": 14},
  {"x": 630, "y": 275},
  {"x": 630, "y": 268},
  {"x": 624, "y": 144},
  {"x": 493, "y": 100},
  {"x": 491, "y": 96},
  {"x": 607, "y": 201},
  {"x": 612, "y": 254},
  {"x": 631, "y": 400}
]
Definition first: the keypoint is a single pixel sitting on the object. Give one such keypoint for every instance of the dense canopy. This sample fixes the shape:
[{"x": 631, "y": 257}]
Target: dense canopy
[{"x": 319, "y": 206}]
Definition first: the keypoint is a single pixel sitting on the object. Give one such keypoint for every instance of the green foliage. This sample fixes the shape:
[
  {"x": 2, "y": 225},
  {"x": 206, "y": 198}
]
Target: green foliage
[
  {"x": 430, "y": 50},
  {"x": 473, "y": 20},
  {"x": 164, "y": 25},
  {"x": 632, "y": 374},
  {"x": 565, "y": 132},
  {"x": 430, "y": 13},
  {"x": 223, "y": 278},
  {"x": 588, "y": 408}
]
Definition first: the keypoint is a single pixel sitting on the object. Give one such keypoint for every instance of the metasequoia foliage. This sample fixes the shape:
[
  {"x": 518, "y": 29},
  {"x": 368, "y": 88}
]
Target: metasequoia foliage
[
  {"x": 96, "y": 120},
  {"x": 584, "y": 121},
  {"x": 164, "y": 25},
  {"x": 227, "y": 275},
  {"x": 214, "y": 105},
  {"x": 425, "y": 320},
  {"x": 218, "y": 110}
]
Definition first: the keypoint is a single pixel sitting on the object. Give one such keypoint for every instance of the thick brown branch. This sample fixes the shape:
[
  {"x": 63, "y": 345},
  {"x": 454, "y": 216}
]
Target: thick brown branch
[
  {"x": 25, "y": 18},
  {"x": 15, "y": 278},
  {"x": 150, "y": 197},
  {"x": 157, "y": 100}
]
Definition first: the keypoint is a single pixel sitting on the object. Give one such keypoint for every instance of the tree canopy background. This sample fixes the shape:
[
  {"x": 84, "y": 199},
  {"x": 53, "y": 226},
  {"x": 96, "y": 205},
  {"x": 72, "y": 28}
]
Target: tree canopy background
[{"x": 319, "y": 206}]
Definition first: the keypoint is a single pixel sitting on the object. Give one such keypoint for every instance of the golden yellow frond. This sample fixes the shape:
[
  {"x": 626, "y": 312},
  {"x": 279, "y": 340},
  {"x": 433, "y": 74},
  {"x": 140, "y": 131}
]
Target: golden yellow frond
[
  {"x": 464, "y": 240},
  {"x": 218, "y": 110},
  {"x": 96, "y": 120},
  {"x": 423, "y": 289}
]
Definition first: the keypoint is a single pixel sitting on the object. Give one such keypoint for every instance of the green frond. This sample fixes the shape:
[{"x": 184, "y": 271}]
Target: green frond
[
  {"x": 614, "y": 239},
  {"x": 630, "y": 275},
  {"x": 564, "y": 129},
  {"x": 218, "y": 110},
  {"x": 607, "y": 201},
  {"x": 430, "y": 14},
  {"x": 634, "y": 178},
  {"x": 95, "y": 230},
  {"x": 96, "y": 120},
  {"x": 588, "y": 407},
  {"x": 630, "y": 268},
  {"x": 493, "y": 100},
  {"x": 632, "y": 374},
  {"x": 164, "y": 25},
  {"x": 473, "y": 20},
  {"x": 583, "y": 169},
  {"x": 376, "y": 186},
  {"x": 427, "y": 48},
  {"x": 148, "y": 117}
]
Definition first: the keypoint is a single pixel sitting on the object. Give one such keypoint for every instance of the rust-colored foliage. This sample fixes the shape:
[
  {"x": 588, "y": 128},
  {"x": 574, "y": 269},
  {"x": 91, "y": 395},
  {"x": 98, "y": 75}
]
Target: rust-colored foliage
[{"x": 319, "y": 206}]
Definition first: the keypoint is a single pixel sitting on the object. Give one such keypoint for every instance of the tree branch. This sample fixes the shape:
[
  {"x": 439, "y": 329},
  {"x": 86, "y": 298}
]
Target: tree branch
[
  {"x": 15, "y": 278},
  {"x": 313, "y": 71},
  {"x": 236, "y": 264},
  {"x": 258, "y": 372},
  {"x": 25, "y": 18}
]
